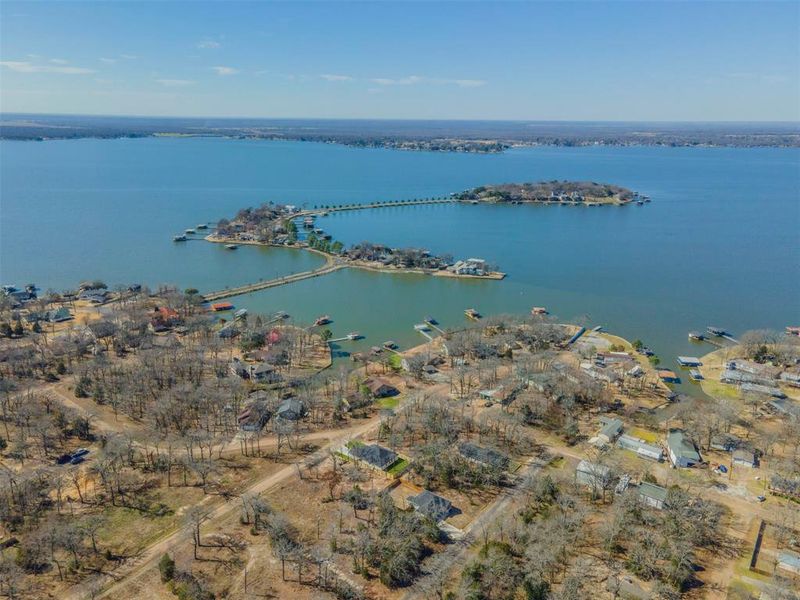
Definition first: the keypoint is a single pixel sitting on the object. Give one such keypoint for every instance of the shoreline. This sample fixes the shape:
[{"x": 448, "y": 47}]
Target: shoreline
[{"x": 332, "y": 259}]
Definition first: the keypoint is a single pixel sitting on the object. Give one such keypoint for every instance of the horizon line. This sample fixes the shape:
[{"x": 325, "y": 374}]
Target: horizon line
[{"x": 307, "y": 118}]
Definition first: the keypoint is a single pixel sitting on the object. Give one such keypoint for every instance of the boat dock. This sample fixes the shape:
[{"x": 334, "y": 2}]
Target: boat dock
[
  {"x": 431, "y": 323},
  {"x": 270, "y": 283},
  {"x": 423, "y": 328}
]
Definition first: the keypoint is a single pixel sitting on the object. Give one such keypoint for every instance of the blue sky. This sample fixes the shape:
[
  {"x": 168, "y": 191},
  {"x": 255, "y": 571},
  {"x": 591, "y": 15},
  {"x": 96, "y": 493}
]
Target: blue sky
[{"x": 478, "y": 60}]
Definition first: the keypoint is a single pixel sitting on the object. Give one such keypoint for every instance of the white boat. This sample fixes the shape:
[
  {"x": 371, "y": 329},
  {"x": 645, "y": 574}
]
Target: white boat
[
  {"x": 695, "y": 375},
  {"x": 179, "y": 238},
  {"x": 190, "y": 231},
  {"x": 231, "y": 246}
]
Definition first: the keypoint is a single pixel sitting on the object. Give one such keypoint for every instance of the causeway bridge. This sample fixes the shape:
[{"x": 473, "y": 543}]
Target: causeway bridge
[
  {"x": 386, "y": 204},
  {"x": 270, "y": 283}
]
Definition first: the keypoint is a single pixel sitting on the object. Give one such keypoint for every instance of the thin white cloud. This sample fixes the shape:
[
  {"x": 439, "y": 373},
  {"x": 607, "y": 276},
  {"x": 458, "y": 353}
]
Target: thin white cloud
[
  {"x": 468, "y": 83},
  {"x": 410, "y": 80},
  {"x": 108, "y": 61},
  {"x": 208, "y": 44},
  {"x": 334, "y": 77},
  {"x": 29, "y": 67},
  {"x": 175, "y": 82},
  {"x": 128, "y": 56},
  {"x": 416, "y": 80},
  {"x": 225, "y": 70},
  {"x": 59, "y": 61}
]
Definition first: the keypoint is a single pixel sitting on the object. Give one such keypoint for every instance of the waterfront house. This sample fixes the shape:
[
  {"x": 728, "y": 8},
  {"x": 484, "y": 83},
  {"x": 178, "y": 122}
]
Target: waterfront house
[
  {"x": 610, "y": 431},
  {"x": 640, "y": 447},
  {"x": 471, "y": 266},
  {"x": 373, "y": 454},
  {"x": 765, "y": 390},
  {"x": 744, "y": 458},
  {"x": 431, "y": 505},
  {"x": 483, "y": 456},
  {"x": 752, "y": 367},
  {"x": 652, "y": 495},
  {"x": 380, "y": 388},
  {"x": 737, "y": 377},
  {"x": 682, "y": 451},
  {"x": 291, "y": 409}
]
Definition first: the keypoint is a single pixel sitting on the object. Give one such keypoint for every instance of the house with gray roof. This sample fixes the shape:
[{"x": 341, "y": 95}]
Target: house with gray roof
[
  {"x": 431, "y": 505},
  {"x": 652, "y": 495},
  {"x": 373, "y": 454},
  {"x": 640, "y": 447},
  {"x": 682, "y": 450},
  {"x": 484, "y": 456},
  {"x": 291, "y": 409},
  {"x": 594, "y": 475},
  {"x": 610, "y": 430},
  {"x": 744, "y": 458},
  {"x": 765, "y": 390}
]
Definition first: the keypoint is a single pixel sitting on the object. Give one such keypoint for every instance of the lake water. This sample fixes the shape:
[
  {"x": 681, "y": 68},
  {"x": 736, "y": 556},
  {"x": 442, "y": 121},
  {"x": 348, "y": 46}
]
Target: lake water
[{"x": 719, "y": 244}]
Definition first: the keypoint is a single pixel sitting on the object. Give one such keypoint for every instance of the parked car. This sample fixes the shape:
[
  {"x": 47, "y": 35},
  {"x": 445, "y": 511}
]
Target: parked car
[
  {"x": 723, "y": 469},
  {"x": 81, "y": 452},
  {"x": 76, "y": 460},
  {"x": 761, "y": 498}
]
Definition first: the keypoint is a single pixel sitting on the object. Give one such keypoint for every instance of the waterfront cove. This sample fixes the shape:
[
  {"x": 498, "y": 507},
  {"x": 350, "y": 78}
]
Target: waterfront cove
[{"x": 694, "y": 256}]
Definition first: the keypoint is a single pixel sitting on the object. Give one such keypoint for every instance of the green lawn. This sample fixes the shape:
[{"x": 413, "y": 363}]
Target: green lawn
[
  {"x": 397, "y": 468},
  {"x": 643, "y": 434},
  {"x": 390, "y": 402}
]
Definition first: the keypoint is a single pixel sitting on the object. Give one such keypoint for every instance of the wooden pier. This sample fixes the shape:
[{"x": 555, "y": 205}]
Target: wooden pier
[
  {"x": 436, "y": 327},
  {"x": 270, "y": 283}
]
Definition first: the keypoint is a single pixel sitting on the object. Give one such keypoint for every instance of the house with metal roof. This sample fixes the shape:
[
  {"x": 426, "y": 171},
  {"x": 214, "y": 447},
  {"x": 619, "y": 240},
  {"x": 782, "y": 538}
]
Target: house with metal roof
[
  {"x": 744, "y": 458},
  {"x": 373, "y": 454},
  {"x": 652, "y": 495},
  {"x": 640, "y": 447},
  {"x": 765, "y": 390},
  {"x": 594, "y": 475},
  {"x": 431, "y": 505},
  {"x": 611, "y": 429},
  {"x": 682, "y": 450}
]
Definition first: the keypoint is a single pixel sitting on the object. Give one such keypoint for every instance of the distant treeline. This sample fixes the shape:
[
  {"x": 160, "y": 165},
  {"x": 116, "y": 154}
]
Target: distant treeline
[{"x": 447, "y": 136}]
